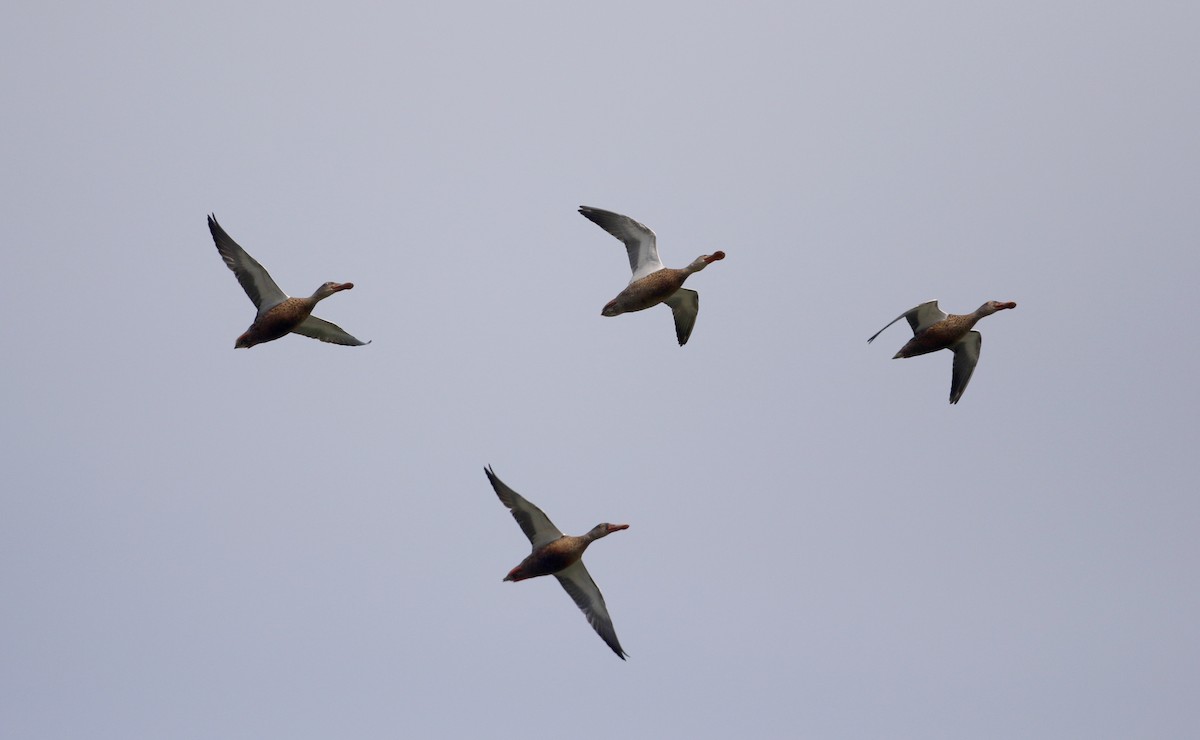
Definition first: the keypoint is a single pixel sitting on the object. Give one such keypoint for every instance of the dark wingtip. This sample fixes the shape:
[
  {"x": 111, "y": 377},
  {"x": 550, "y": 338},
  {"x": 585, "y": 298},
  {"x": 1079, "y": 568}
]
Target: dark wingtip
[
  {"x": 494, "y": 480},
  {"x": 214, "y": 228}
]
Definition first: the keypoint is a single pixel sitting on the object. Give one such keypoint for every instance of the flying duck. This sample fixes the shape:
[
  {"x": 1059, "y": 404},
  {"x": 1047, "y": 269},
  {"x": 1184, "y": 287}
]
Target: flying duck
[{"x": 278, "y": 313}]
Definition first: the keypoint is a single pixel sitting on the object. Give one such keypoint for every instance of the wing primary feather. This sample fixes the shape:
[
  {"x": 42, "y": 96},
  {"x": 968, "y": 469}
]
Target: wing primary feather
[
  {"x": 966, "y": 357},
  {"x": 685, "y": 306},
  {"x": 532, "y": 520},
  {"x": 327, "y": 332},
  {"x": 252, "y": 276},
  {"x": 901, "y": 316},
  {"x": 928, "y": 310},
  {"x": 578, "y": 584},
  {"x": 640, "y": 242}
]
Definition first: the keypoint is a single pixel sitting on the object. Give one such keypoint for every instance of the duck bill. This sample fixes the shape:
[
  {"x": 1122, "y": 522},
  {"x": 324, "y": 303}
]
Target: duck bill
[
  {"x": 342, "y": 286},
  {"x": 714, "y": 257},
  {"x": 617, "y": 527}
]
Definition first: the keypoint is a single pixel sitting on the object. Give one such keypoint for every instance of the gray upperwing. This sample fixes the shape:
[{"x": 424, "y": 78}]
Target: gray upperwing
[
  {"x": 685, "y": 305},
  {"x": 254, "y": 278},
  {"x": 966, "y": 356},
  {"x": 919, "y": 317},
  {"x": 640, "y": 242},
  {"x": 583, "y": 590},
  {"x": 532, "y": 520},
  {"x": 924, "y": 316},
  {"x": 327, "y": 332}
]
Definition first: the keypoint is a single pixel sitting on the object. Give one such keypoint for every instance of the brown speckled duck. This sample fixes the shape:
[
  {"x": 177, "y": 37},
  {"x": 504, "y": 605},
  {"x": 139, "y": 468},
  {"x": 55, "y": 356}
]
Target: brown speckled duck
[
  {"x": 652, "y": 283},
  {"x": 278, "y": 313},
  {"x": 934, "y": 329},
  {"x": 561, "y": 556}
]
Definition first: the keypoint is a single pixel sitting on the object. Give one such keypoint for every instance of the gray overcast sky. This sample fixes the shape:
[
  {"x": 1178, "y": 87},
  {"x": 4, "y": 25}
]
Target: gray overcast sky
[{"x": 298, "y": 541}]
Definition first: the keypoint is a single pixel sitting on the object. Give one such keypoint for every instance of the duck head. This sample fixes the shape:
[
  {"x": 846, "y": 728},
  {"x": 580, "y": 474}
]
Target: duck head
[
  {"x": 329, "y": 289},
  {"x": 704, "y": 261},
  {"x": 992, "y": 307},
  {"x": 604, "y": 530}
]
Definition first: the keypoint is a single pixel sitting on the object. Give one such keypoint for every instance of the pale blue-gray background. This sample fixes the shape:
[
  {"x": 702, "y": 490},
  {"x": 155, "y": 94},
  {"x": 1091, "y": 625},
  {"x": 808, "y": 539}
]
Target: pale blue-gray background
[{"x": 298, "y": 541}]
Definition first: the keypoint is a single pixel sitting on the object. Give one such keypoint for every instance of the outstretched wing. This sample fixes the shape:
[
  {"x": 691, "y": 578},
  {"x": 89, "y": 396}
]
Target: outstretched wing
[
  {"x": 639, "y": 240},
  {"x": 920, "y": 317},
  {"x": 685, "y": 304},
  {"x": 327, "y": 332},
  {"x": 254, "y": 278},
  {"x": 534, "y": 522},
  {"x": 966, "y": 356},
  {"x": 579, "y": 584}
]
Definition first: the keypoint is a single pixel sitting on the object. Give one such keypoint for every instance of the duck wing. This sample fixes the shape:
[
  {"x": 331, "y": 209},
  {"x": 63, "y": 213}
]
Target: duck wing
[
  {"x": 579, "y": 584},
  {"x": 533, "y": 521},
  {"x": 685, "y": 304},
  {"x": 640, "y": 242},
  {"x": 327, "y": 332},
  {"x": 966, "y": 356},
  {"x": 919, "y": 318},
  {"x": 254, "y": 278}
]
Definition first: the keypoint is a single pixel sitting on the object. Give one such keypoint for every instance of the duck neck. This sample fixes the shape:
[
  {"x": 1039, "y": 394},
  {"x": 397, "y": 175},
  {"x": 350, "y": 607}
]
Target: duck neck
[
  {"x": 985, "y": 310},
  {"x": 594, "y": 534}
]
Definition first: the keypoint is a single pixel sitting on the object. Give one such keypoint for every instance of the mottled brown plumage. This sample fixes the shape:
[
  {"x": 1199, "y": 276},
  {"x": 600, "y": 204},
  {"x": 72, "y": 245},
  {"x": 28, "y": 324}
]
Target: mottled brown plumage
[
  {"x": 941, "y": 335},
  {"x": 278, "y": 321},
  {"x": 647, "y": 292},
  {"x": 550, "y": 558}
]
